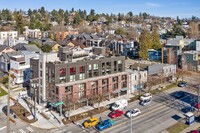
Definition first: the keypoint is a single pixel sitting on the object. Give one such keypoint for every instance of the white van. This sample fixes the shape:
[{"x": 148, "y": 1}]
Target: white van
[{"x": 120, "y": 104}]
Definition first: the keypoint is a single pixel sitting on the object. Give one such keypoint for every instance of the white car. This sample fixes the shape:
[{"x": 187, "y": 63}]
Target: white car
[
  {"x": 133, "y": 112},
  {"x": 146, "y": 96}
]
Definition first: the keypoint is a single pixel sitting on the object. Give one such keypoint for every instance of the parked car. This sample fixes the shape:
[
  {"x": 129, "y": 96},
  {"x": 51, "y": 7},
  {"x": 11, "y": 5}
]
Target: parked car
[
  {"x": 182, "y": 84},
  {"x": 197, "y": 105},
  {"x": 146, "y": 96},
  {"x": 133, "y": 112},
  {"x": 179, "y": 94},
  {"x": 91, "y": 122},
  {"x": 115, "y": 113},
  {"x": 104, "y": 124},
  {"x": 195, "y": 131},
  {"x": 120, "y": 104},
  {"x": 145, "y": 102}
]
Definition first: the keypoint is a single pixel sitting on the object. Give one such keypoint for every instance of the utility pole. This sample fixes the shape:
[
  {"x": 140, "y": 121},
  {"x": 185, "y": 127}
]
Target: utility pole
[
  {"x": 198, "y": 99},
  {"x": 8, "y": 105},
  {"x": 34, "y": 86},
  {"x": 139, "y": 87},
  {"x": 131, "y": 128}
]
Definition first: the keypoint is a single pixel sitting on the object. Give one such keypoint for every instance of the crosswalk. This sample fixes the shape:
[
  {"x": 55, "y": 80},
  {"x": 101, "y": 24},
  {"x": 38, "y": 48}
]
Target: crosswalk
[{"x": 23, "y": 130}]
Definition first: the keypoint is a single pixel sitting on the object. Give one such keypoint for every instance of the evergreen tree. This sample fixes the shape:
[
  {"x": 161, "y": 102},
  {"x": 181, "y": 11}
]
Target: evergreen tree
[
  {"x": 77, "y": 19},
  {"x": 145, "y": 44},
  {"x": 19, "y": 23},
  {"x": 156, "y": 44}
]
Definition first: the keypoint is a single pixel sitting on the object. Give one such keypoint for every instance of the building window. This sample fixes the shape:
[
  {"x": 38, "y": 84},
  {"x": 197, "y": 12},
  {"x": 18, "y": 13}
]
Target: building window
[
  {"x": 104, "y": 81},
  {"x": 68, "y": 89},
  {"x": 115, "y": 66},
  {"x": 89, "y": 67},
  {"x": 115, "y": 79},
  {"x": 124, "y": 77},
  {"x": 135, "y": 77},
  {"x": 81, "y": 90},
  {"x": 108, "y": 67},
  {"x": 95, "y": 66},
  {"x": 72, "y": 78},
  {"x": 119, "y": 65},
  {"x": 56, "y": 90},
  {"x": 82, "y": 69},
  {"x": 41, "y": 65},
  {"x": 72, "y": 70},
  {"x": 82, "y": 76},
  {"x": 40, "y": 73},
  {"x": 62, "y": 75}
]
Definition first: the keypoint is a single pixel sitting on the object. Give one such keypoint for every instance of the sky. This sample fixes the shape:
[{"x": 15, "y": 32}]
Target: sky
[{"x": 162, "y": 8}]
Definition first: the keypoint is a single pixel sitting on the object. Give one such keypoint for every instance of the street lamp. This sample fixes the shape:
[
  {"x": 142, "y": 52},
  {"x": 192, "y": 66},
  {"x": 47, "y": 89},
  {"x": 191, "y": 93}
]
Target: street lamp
[
  {"x": 8, "y": 104},
  {"x": 131, "y": 128},
  {"x": 34, "y": 86}
]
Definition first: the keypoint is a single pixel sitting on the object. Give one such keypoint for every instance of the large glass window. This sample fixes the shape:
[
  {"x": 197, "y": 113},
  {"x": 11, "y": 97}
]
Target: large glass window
[
  {"x": 62, "y": 75},
  {"x": 81, "y": 90},
  {"x": 68, "y": 89},
  {"x": 72, "y": 70},
  {"x": 82, "y": 69},
  {"x": 119, "y": 62},
  {"x": 82, "y": 76},
  {"x": 72, "y": 78}
]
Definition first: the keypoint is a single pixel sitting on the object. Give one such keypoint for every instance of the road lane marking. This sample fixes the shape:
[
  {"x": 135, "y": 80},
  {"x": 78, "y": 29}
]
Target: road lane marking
[
  {"x": 2, "y": 128},
  {"x": 30, "y": 129},
  {"x": 12, "y": 131},
  {"x": 142, "y": 115},
  {"x": 22, "y": 131}
]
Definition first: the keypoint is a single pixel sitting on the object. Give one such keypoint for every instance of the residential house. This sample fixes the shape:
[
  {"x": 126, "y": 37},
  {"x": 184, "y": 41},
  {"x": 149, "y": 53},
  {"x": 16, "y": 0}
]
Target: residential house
[
  {"x": 5, "y": 49},
  {"x": 138, "y": 79},
  {"x": 5, "y": 60},
  {"x": 29, "y": 47},
  {"x": 8, "y": 36},
  {"x": 20, "y": 67},
  {"x": 32, "y": 33}
]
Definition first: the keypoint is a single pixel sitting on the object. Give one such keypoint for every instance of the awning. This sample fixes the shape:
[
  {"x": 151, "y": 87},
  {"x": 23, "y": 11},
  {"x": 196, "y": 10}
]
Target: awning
[
  {"x": 124, "y": 89},
  {"x": 116, "y": 91}
]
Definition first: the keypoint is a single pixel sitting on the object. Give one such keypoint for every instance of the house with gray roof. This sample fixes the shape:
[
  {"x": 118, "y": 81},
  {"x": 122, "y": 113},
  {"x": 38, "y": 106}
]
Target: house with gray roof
[
  {"x": 30, "y": 48},
  {"x": 5, "y": 60}
]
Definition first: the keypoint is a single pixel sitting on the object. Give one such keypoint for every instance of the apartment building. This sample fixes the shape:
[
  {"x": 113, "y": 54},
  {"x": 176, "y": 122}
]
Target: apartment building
[
  {"x": 8, "y": 37},
  {"x": 38, "y": 70},
  {"x": 81, "y": 80}
]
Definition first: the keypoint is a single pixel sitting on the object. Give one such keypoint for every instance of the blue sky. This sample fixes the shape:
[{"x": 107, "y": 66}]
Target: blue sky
[{"x": 171, "y": 8}]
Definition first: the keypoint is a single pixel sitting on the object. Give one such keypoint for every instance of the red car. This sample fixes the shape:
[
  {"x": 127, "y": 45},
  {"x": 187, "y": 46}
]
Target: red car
[
  {"x": 116, "y": 113},
  {"x": 194, "y": 131},
  {"x": 197, "y": 105}
]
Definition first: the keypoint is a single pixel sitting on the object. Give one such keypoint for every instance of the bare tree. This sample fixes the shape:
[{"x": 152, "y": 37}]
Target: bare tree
[{"x": 180, "y": 73}]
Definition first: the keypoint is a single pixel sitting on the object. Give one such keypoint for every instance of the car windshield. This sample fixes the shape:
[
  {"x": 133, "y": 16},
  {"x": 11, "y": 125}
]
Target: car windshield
[
  {"x": 146, "y": 95},
  {"x": 115, "y": 105}
]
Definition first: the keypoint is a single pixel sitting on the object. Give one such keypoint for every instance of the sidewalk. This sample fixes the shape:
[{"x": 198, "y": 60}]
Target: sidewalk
[
  {"x": 55, "y": 120},
  {"x": 194, "y": 126}
]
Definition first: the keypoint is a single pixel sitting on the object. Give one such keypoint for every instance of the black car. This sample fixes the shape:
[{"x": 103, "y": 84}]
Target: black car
[
  {"x": 179, "y": 94},
  {"x": 182, "y": 84},
  {"x": 145, "y": 102}
]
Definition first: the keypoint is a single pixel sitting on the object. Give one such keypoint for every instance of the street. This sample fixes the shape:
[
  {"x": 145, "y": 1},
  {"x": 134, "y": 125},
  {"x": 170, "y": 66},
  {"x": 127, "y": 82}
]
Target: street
[{"x": 164, "y": 111}]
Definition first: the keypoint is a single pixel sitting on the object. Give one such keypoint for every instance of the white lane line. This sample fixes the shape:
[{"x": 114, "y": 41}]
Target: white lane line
[
  {"x": 12, "y": 131},
  {"x": 2, "y": 128},
  {"x": 22, "y": 131},
  {"x": 30, "y": 129}
]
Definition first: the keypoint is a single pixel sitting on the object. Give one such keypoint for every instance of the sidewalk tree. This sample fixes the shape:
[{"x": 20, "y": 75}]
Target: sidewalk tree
[
  {"x": 180, "y": 73},
  {"x": 145, "y": 44},
  {"x": 156, "y": 44},
  {"x": 99, "y": 100}
]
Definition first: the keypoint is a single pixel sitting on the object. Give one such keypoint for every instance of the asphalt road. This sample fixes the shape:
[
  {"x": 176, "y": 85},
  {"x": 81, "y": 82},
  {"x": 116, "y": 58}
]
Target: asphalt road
[{"x": 157, "y": 116}]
